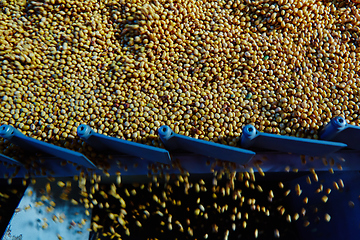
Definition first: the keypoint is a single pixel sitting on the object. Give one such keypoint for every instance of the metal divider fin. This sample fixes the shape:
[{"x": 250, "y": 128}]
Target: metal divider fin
[
  {"x": 173, "y": 141},
  {"x": 102, "y": 142},
  {"x": 339, "y": 130},
  {"x": 252, "y": 138},
  {"x": 31, "y": 144}
]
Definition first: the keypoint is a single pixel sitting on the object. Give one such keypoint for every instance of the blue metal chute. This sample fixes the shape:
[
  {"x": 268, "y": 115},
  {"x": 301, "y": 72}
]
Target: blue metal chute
[
  {"x": 173, "y": 141},
  {"x": 30, "y": 144},
  {"x": 11, "y": 167},
  {"x": 252, "y": 138},
  {"x": 27, "y": 221},
  {"x": 9, "y": 160},
  {"x": 102, "y": 142},
  {"x": 340, "y": 131}
]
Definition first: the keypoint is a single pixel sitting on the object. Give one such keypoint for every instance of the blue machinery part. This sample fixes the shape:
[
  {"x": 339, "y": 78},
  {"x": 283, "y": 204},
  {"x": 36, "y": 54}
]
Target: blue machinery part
[
  {"x": 173, "y": 141},
  {"x": 101, "y": 142},
  {"x": 339, "y": 141},
  {"x": 30, "y": 144},
  {"x": 11, "y": 167},
  {"x": 39, "y": 222},
  {"x": 339, "y": 130},
  {"x": 9, "y": 160},
  {"x": 251, "y": 138}
]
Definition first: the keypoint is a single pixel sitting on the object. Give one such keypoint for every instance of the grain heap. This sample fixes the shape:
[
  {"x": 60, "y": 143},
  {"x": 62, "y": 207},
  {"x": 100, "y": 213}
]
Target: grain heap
[{"x": 205, "y": 68}]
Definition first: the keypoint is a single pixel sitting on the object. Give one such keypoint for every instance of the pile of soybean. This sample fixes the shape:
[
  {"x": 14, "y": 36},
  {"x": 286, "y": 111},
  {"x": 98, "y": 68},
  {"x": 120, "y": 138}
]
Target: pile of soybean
[{"x": 205, "y": 68}]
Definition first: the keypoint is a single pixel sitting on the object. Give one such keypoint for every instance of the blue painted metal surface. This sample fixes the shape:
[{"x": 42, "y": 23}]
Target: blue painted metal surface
[
  {"x": 191, "y": 157},
  {"x": 344, "y": 223},
  {"x": 31, "y": 144},
  {"x": 340, "y": 131},
  {"x": 268, "y": 161},
  {"x": 10, "y": 167},
  {"x": 173, "y": 141},
  {"x": 39, "y": 222},
  {"x": 9, "y": 160},
  {"x": 252, "y": 138},
  {"x": 336, "y": 136},
  {"x": 102, "y": 142}
]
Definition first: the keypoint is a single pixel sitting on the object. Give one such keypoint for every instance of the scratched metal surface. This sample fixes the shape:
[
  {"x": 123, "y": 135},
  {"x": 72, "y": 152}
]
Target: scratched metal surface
[{"x": 37, "y": 222}]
